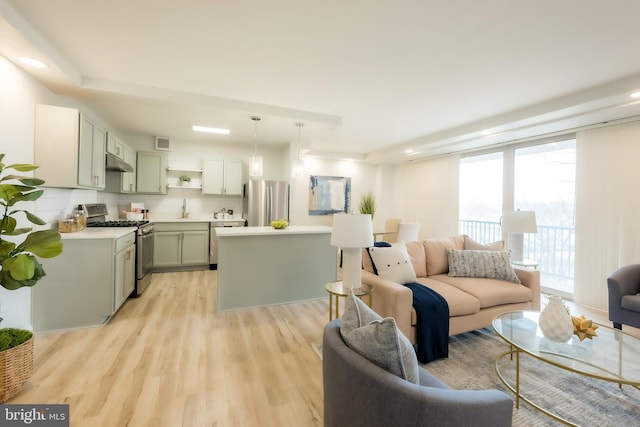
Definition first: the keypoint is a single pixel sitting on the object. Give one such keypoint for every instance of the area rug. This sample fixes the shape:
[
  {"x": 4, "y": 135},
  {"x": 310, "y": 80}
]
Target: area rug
[{"x": 578, "y": 399}]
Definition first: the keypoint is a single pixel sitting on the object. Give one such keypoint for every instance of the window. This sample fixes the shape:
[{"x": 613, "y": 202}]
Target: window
[
  {"x": 481, "y": 196},
  {"x": 544, "y": 182}
]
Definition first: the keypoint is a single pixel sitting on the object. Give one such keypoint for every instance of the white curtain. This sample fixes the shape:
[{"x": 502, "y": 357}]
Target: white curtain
[{"x": 607, "y": 208}]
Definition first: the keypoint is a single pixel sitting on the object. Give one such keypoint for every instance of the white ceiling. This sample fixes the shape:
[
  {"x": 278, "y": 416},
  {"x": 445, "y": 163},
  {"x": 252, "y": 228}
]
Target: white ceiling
[{"x": 368, "y": 78}]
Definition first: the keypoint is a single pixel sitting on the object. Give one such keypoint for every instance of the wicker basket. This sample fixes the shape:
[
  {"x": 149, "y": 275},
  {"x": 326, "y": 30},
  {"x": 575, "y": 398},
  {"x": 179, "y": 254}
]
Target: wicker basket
[{"x": 16, "y": 367}]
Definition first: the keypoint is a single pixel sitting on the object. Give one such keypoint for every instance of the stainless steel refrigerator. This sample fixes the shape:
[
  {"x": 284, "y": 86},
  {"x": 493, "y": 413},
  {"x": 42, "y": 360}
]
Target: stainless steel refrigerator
[{"x": 265, "y": 201}]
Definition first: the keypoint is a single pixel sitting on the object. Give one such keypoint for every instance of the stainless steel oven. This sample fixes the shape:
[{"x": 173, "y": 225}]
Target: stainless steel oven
[
  {"x": 144, "y": 257},
  {"x": 97, "y": 217}
]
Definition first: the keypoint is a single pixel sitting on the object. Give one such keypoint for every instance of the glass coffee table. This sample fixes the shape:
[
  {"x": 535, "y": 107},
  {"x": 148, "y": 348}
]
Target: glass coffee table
[{"x": 611, "y": 356}]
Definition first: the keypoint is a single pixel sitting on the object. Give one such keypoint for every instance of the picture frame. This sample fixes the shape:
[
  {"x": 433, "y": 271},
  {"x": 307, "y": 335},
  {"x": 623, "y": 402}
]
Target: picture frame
[{"x": 329, "y": 195}]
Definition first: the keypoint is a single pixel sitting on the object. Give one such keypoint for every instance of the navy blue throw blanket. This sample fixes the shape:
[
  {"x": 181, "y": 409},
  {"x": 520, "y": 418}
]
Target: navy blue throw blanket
[{"x": 432, "y": 328}]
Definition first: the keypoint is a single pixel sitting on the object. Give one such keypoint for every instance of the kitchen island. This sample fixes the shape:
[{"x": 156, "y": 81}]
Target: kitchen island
[{"x": 259, "y": 266}]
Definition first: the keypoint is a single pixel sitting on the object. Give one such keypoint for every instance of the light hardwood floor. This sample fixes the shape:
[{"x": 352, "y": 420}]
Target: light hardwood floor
[{"x": 169, "y": 359}]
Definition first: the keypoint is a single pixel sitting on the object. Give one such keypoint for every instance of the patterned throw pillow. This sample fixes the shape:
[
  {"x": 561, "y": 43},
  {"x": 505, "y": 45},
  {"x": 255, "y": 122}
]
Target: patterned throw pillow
[
  {"x": 393, "y": 263},
  {"x": 378, "y": 340},
  {"x": 485, "y": 264}
]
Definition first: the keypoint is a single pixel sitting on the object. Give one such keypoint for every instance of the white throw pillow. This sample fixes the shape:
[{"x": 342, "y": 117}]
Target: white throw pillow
[
  {"x": 393, "y": 263},
  {"x": 485, "y": 264},
  {"x": 378, "y": 340}
]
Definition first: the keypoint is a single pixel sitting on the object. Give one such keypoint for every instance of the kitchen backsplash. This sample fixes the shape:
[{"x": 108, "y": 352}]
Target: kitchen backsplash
[{"x": 55, "y": 203}]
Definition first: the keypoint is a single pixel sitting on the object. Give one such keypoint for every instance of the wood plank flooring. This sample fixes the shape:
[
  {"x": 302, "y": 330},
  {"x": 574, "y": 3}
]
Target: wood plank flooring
[{"x": 169, "y": 359}]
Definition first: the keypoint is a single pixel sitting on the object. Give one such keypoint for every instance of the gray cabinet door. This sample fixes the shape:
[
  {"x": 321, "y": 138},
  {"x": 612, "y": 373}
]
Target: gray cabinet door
[
  {"x": 167, "y": 249},
  {"x": 151, "y": 172},
  {"x": 195, "y": 247}
]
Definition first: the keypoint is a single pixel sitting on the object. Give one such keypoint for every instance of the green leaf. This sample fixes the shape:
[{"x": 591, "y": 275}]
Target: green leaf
[
  {"x": 34, "y": 219},
  {"x": 17, "y": 231},
  {"x": 6, "y": 247},
  {"x": 26, "y": 180},
  {"x": 44, "y": 243},
  {"x": 22, "y": 167},
  {"x": 21, "y": 267},
  {"x": 8, "y": 224},
  {"x": 26, "y": 197}
]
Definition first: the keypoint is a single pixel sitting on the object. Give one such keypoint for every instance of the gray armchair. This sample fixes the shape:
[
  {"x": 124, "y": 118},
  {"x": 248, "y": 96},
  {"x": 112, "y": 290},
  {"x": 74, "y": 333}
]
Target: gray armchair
[
  {"x": 359, "y": 393},
  {"x": 624, "y": 296}
]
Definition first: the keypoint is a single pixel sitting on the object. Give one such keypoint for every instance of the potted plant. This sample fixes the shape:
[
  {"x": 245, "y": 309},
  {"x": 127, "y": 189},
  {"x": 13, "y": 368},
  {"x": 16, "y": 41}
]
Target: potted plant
[
  {"x": 185, "y": 180},
  {"x": 368, "y": 204},
  {"x": 19, "y": 267}
]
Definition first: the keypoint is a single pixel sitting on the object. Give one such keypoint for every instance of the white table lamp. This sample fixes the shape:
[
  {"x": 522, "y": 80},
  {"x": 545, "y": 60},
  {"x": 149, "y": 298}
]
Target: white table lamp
[
  {"x": 352, "y": 232},
  {"x": 516, "y": 223}
]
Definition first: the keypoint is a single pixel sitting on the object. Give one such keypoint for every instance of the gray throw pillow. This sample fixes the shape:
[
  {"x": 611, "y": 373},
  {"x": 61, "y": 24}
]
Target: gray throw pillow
[
  {"x": 378, "y": 340},
  {"x": 484, "y": 264}
]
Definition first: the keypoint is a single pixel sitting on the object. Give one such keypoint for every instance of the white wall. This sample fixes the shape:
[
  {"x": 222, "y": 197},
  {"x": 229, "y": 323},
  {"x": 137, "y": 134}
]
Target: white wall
[{"x": 427, "y": 192}]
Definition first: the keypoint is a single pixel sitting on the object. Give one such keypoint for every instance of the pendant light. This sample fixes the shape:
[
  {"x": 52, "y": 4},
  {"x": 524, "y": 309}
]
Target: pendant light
[
  {"x": 298, "y": 165},
  {"x": 255, "y": 161}
]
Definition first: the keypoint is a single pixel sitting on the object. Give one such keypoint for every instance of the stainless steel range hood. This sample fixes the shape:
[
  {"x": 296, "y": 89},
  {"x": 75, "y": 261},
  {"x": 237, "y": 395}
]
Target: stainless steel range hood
[{"x": 115, "y": 164}]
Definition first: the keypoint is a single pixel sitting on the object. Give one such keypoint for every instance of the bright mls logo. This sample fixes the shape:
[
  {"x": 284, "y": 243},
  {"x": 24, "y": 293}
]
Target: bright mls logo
[{"x": 34, "y": 415}]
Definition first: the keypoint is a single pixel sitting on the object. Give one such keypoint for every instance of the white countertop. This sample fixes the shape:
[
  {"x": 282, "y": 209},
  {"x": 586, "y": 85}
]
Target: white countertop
[
  {"x": 270, "y": 231},
  {"x": 192, "y": 218},
  {"x": 99, "y": 233}
]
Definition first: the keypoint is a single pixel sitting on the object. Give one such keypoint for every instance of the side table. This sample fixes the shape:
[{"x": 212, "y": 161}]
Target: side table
[
  {"x": 526, "y": 263},
  {"x": 337, "y": 290}
]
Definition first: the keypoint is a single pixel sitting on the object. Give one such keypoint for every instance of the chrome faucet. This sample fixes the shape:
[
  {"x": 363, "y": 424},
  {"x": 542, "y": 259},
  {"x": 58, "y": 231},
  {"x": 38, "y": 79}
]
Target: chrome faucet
[{"x": 185, "y": 214}]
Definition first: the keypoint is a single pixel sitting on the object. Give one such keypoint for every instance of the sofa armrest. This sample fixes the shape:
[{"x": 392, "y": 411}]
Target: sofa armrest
[
  {"x": 391, "y": 299},
  {"x": 530, "y": 279}
]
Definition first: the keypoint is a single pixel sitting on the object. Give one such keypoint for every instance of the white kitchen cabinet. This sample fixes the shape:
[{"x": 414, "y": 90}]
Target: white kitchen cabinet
[
  {"x": 69, "y": 148},
  {"x": 125, "y": 270},
  {"x": 115, "y": 146},
  {"x": 179, "y": 245},
  {"x": 86, "y": 283},
  {"x": 151, "y": 173},
  {"x": 222, "y": 177}
]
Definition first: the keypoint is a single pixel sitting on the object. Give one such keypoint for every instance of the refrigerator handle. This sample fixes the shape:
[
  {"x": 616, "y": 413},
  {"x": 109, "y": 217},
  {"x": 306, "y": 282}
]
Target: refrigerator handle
[{"x": 269, "y": 203}]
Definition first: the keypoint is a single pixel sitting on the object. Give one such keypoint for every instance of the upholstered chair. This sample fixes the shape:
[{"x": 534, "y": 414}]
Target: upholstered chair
[
  {"x": 358, "y": 393},
  {"x": 624, "y": 296},
  {"x": 408, "y": 232}
]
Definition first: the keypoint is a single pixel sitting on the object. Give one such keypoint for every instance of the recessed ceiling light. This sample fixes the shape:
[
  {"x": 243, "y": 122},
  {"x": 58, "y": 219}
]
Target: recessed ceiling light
[
  {"x": 33, "y": 62},
  {"x": 635, "y": 95},
  {"x": 408, "y": 151},
  {"x": 486, "y": 132},
  {"x": 211, "y": 130}
]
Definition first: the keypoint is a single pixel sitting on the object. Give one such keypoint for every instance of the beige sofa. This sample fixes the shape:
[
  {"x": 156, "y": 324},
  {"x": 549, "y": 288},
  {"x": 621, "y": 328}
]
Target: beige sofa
[{"x": 473, "y": 302}]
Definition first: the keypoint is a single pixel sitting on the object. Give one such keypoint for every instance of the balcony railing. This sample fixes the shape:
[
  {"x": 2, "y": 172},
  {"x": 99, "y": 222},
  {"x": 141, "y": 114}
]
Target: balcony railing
[{"x": 552, "y": 247}]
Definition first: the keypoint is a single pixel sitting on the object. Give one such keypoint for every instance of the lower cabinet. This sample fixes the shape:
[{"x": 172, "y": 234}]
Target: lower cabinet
[
  {"x": 84, "y": 285},
  {"x": 181, "y": 245}
]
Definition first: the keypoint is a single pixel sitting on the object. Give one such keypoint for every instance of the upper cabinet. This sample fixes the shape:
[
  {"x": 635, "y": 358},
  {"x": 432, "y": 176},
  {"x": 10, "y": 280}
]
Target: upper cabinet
[
  {"x": 151, "y": 172},
  {"x": 222, "y": 177},
  {"x": 69, "y": 148},
  {"x": 115, "y": 146}
]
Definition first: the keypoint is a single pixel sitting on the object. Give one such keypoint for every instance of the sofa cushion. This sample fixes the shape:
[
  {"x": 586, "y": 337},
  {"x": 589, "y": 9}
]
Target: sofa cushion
[
  {"x": 460, "y": 302},
  {"x": 436, "y": 253},
  {"x": 393, "y": 263},
  {"x": 486, "y": 264},
  {"x": 489, "y": 292},
  {"x": 367, "y": 263},
  {"x": 470, "y": 244},
  {"x": 378, "y": 340},
  {"x": 418, "y": 258}
]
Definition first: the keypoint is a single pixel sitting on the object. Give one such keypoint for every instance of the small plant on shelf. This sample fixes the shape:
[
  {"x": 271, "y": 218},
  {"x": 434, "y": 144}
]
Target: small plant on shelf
[{"x": 185, "y": 179}]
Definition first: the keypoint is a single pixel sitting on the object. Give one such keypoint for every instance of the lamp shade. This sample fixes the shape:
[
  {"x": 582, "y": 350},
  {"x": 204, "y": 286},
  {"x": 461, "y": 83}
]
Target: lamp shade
[
  {"x": 519, "y": 222},
  {"x": 352, "y": 231}
]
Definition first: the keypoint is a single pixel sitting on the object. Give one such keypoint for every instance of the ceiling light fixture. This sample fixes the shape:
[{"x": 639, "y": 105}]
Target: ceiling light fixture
[
  {"x": 210, "y": 130},
  {"x": 255, "y": 161},
  {"x": 635, "y": 95},
  {"x": 298, "y": 165},
  {"x": 33, "y": 62}
]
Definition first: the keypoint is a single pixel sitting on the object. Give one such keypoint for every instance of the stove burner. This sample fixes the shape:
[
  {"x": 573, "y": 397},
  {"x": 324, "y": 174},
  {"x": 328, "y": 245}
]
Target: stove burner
[{"x": 117, "y": 223}]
